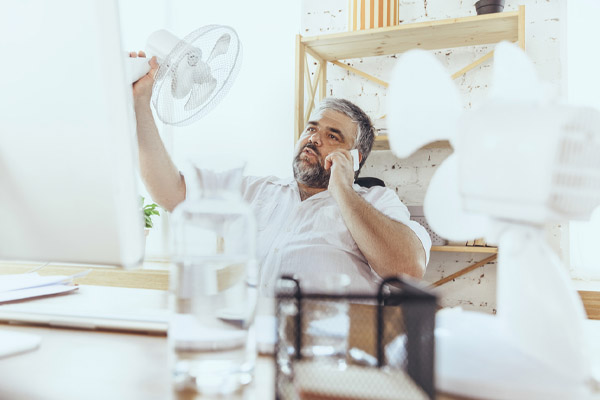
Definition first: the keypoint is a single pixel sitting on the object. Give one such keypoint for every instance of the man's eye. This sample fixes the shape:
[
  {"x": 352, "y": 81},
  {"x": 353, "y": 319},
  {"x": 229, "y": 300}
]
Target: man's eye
[
  {"x": 310, "y": 129},
  {"x": 333, "y": 137}
]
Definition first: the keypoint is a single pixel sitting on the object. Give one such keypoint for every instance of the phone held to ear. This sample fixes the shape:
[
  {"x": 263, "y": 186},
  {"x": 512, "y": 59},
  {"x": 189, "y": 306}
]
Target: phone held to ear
[{"x": 354, "y": 154}]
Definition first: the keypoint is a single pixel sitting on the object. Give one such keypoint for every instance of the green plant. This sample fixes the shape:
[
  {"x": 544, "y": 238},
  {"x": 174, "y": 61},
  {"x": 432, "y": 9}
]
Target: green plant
[{"x": 149, "y": 211}]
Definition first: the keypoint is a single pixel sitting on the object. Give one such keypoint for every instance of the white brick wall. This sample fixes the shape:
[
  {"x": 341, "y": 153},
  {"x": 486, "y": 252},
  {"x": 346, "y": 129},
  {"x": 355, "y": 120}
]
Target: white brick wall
[{"x": 410, "y": 177}]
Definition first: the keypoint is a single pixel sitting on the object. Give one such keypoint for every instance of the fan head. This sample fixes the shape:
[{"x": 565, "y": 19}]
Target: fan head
[{"x": 196, "y": 74}]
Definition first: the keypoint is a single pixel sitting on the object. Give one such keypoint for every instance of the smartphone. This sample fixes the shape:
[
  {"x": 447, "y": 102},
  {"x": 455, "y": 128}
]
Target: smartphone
[{"x": 354, "y": 154}]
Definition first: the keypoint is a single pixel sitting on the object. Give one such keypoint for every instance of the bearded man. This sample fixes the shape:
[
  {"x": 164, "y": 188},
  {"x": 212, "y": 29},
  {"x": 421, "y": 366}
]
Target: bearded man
[{"x": 318, "y": 224}]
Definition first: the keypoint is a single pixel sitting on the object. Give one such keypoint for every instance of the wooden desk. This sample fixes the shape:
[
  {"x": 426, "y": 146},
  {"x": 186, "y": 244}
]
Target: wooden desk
[
  {"x": 80, "y": 364},
  {"x": 76, "y": 364},
  {"x": 156, "y": 276}
]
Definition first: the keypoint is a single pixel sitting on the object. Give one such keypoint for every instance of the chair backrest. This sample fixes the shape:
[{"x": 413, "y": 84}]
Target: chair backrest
[{"x": 369, "y": 181}]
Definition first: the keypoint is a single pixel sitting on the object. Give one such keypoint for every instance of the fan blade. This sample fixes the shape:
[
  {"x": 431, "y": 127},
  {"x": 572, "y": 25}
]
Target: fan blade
[
  {"x": 221, "y": 47},
  {"x": 514, "y": 78},
  {"x": 423, "y": 106},
  {"x": 182, "y": 81},
  {"x": 200, "y": 94},
  {"x": 443, "y": 206}
]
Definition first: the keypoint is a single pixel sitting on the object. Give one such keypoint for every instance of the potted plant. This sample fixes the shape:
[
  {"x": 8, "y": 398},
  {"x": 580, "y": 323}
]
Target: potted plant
[{"x": 149, "y": 211}]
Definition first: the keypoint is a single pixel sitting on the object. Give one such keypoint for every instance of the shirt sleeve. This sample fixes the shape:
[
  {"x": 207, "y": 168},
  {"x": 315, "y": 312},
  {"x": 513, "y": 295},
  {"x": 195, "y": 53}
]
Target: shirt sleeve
[
  {"x": 386, "y": 201},
  {"x": 249, "y": 188}
]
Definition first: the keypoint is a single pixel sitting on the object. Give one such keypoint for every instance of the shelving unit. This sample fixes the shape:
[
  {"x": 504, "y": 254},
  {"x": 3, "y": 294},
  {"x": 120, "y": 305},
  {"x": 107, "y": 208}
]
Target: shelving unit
[
  {"x": 431, "y": 35},
  {"x": 465, "y": 249}
]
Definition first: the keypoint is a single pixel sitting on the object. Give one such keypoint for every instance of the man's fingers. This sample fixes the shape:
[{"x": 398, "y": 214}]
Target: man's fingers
[
  {"x": 328, "y": 164},
  {"x": 153, "y": 67},
  {"x": 337, "y": 156},
  {"x": 140, "y": 53}
]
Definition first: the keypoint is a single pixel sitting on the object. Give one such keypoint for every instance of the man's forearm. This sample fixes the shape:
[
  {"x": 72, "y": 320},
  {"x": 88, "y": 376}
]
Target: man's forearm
[
  {"x": 160, "y": 175},
  {"x": 389, "y": 246}
]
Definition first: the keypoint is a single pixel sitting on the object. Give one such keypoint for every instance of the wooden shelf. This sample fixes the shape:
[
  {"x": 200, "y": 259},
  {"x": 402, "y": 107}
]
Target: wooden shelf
[
  {"x": 431, "y": 35},
  {"x": 465, "y": 249},
  {"x": 382, "y": 143}
]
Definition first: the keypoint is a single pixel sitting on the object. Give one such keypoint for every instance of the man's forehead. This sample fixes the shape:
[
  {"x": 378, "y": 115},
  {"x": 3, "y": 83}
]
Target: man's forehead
[{"x": 335, "y": 119}]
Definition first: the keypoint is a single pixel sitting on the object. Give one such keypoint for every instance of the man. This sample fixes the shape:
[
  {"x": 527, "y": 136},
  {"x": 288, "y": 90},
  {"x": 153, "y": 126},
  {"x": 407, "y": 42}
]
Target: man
[{"x": 318, "y": 224}]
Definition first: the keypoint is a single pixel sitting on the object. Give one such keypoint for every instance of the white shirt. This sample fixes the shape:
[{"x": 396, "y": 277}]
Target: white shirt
[{"x": 309, "y": 238}]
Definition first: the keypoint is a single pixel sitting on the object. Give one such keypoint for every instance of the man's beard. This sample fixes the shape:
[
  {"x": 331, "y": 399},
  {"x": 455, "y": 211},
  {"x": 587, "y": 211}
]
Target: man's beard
[{"x": 311, "y": 175}]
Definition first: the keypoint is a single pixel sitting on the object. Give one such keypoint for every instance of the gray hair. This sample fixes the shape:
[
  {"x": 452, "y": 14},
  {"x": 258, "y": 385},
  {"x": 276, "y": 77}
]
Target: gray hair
[{"x": 365, "y": 135}]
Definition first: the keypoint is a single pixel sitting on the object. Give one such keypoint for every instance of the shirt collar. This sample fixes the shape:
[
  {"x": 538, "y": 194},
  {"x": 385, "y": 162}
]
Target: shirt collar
[
  {"x": 285, "y": 181},
  {"x": 290, "y": 181}
]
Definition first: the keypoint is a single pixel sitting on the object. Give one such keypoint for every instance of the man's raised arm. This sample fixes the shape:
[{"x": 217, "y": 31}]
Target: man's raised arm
[{"x": 160, "y": 175}]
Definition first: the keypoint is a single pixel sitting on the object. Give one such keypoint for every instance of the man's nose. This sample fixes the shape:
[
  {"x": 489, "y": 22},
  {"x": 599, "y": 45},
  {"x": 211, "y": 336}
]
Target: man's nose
[{"x": 315, "y": 138}]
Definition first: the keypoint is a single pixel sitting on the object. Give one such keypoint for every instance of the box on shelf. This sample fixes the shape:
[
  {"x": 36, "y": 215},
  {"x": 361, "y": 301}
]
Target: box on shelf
[
  {"x": 474, "y": 243},
  {"x": 369, "y": 14}
]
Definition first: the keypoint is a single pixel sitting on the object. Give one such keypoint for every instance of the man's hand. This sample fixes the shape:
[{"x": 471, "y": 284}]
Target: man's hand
[
  {"x": 142, "y": 88},
  {"x": 341, "y": 165}
]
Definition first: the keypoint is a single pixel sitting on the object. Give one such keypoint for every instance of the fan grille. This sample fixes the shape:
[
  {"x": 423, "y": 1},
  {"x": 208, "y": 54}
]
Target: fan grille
[
  {"x": 197, "y": 47},
  {"x": 576, "y": 178}
]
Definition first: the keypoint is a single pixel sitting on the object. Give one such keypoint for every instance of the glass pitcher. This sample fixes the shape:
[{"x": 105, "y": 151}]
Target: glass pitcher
[{"x": 213, "y": 284}]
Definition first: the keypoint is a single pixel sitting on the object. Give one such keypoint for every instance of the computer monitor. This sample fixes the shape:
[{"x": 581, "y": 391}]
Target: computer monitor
[{"x": 68, "y": 157}]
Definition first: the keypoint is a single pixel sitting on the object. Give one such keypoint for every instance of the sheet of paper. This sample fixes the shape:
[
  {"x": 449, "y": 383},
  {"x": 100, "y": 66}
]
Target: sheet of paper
[
  {"x": 30, "y": 280},
  {"x": 29, "y": 285},
  {"x": 35, "y": 292}
]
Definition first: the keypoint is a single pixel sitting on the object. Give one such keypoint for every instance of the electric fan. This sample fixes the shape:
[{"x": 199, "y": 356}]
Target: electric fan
[
  {"x": 519, "y": 161},
  {"x": 194, "y": 73}
]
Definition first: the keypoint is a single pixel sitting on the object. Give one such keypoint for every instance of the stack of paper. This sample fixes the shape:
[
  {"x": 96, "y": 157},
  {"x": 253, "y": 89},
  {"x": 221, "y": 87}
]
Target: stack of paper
[{"x": 24, "y": 286}]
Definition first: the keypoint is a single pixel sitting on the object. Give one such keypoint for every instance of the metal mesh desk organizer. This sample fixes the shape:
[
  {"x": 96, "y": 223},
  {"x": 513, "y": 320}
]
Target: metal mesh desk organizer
[{"x": 355, "y": 346}]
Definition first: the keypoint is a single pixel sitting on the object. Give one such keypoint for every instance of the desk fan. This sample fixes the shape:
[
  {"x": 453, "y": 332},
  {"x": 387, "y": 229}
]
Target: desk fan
[
  {"x": 519, "y": 162},
  {"x": 194, "y": 73}
]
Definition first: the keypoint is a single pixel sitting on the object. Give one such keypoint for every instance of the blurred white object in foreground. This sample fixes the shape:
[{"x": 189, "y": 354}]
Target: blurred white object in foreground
[{"x": 518, "y": 163}]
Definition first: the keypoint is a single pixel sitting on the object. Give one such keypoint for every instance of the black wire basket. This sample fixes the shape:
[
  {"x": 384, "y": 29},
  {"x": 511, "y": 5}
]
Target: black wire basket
[{"x": 355, "y": 346}]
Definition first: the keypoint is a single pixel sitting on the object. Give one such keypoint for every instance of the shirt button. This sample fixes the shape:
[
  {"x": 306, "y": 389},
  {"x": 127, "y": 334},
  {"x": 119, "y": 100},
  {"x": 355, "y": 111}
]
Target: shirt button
[{"x": 276, "y": 251}]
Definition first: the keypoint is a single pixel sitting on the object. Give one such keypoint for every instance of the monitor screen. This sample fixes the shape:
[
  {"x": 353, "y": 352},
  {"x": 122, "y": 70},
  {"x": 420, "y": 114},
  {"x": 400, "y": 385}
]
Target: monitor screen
[{"x": 68, "y": 156}]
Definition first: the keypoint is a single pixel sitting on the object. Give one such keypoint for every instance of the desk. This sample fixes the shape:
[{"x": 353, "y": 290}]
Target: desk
[
  {"x": 75, "y": 364},
  {"x": 156, "y": 276},
  {"x": 78, "y": 364}
]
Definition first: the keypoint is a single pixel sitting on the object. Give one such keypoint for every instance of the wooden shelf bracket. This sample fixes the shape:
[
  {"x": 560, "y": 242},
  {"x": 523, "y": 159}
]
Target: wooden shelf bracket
[{"x": 464, "y": 271}]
